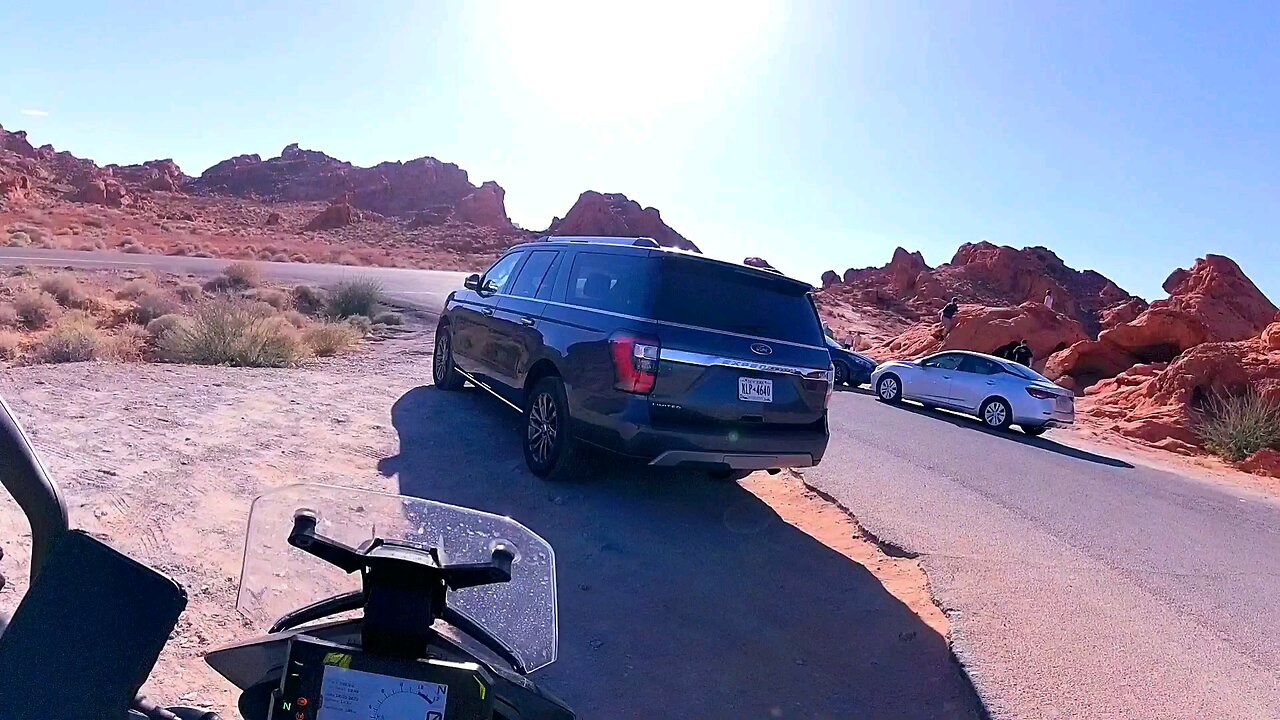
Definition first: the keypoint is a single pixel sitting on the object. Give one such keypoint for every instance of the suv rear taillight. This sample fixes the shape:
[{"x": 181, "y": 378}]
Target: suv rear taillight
[
  {"x": 635, "y": 362},
  {"x": 831, "y": 386}
]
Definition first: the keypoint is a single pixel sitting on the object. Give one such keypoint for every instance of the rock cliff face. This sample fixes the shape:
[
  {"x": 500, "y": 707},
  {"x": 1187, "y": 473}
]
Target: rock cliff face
[
  {"x": 614, "y": 215},
  {"x": 1211, "y": 302},
  {"x": 988, "y": 329}
]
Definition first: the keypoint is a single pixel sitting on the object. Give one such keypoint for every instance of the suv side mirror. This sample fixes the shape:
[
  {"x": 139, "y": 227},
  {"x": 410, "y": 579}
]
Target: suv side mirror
[{"x": 472, "y": 282}]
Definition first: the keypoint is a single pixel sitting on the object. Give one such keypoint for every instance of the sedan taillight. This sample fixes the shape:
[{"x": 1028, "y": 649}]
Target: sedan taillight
[
  {"x": 1039, "y": 394},
  {"x": 635, "y": 362}
]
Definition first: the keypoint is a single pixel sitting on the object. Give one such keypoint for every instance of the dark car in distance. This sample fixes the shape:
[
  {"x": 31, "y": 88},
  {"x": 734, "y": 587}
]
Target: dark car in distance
[
  {"x": 670, "y": 357},
  {"x": 851, "y": 368}
]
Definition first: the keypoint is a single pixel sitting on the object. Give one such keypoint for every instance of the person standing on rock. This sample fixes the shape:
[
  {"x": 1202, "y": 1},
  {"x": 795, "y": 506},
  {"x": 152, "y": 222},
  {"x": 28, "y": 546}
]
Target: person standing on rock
[
  {"x": 1022, "y": 354},
  {"x": 1048, "y": 299},
  {"x": 948, "y": 316}
]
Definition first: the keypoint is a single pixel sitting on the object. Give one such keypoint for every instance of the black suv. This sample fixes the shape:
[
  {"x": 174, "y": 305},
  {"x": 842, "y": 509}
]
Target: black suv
[{"x": 662, "y": 355}]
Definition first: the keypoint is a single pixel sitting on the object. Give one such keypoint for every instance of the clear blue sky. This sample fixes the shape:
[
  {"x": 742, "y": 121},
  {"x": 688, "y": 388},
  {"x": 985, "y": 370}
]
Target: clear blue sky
[{"x": 1128, "y": 137}]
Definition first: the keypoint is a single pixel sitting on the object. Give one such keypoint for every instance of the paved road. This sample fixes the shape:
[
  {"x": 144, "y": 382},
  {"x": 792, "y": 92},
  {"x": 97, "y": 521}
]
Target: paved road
[
  {"x": 420, "y": 289},
  {"x": 1078, "y": 586}
]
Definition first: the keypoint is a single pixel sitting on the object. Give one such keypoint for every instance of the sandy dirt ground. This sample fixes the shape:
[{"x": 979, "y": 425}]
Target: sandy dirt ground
[{"x": 163, "y": 461}]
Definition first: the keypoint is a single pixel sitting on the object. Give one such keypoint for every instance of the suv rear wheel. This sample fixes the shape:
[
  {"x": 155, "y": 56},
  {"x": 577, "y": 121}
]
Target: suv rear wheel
[
  {"x": 443, "y": 372},
  {"x": 550, "y": 450}
]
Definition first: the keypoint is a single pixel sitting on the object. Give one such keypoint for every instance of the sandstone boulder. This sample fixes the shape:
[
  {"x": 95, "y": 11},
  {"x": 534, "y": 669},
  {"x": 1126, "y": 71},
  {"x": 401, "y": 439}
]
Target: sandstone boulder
[
  {"x": 987, "y": 329},
  {"x": 484, "y": 207},
  {"x": 339, "y": 214},
  {"x": 614, "y": 215}
]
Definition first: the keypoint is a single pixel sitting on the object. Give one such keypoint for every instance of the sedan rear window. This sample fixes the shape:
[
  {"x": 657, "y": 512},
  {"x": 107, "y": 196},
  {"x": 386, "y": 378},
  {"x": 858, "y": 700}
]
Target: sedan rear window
[{"x": 720, "y": 297}]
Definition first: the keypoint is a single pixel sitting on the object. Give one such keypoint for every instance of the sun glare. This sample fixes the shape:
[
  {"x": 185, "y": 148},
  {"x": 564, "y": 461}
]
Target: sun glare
[{"x": 602, "y": 60}]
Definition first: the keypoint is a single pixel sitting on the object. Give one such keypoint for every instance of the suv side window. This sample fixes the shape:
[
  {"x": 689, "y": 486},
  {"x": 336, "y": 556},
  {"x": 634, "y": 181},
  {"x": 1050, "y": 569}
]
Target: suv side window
[
  {"x": 614, "y": 282},
  {"x": 532, "y": 275},
  {"x": 943, "y": 362},
  {"x": 980, "y": 366},
  {"x": 496, "y": 277}
]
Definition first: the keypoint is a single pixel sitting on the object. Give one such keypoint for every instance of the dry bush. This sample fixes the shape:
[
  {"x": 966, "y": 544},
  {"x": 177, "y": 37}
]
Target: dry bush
[
  {"x": 348, "y": 259},
  {"x": 129, "y": 344},
  {"x": 231, "y": 331},
  {"x": 299, "y": 258},
  {"x": 179, "y": 250},
  {"x": 264, "y": 255},
  {"x": 276, "y": 298},
  {"x": 36, "y": 309},
  {"x": 134, "y": 248},
  {"x": 65, "y": 289},
  {"x": 10, "y": 344},
  {"x": 165, "y": 324},
  {"x": 1237, "y": 427},
  {"x": 242, "y": 275},
  {"x": 310, "y": 300},
  {"x": 361, "y": 323},
  {"x": 202, "y": 254},
  {"x": 47, "y": 244},
  {"x": 296, "y": 318},
  {"x": 359, "y": 296},
  {"x": 8, "y": 316},
  {"x": 188, "y": 292},
  {"x": 135, "y": 289},
  {"x": 19, "y": 239},
  {"x": 152, "y": 305},
  {"x": 74, "y": 338},
  {"x": 388, "y": 318},
  {"x": 279, "y": 257},
  {"x": 64, "y": 231},
  {"x": 95, "y": 222},
  {"x": 331, "y": 338}
]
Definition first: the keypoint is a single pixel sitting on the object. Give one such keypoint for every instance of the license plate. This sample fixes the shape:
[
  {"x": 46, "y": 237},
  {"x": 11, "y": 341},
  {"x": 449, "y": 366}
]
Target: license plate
[
  {"x": 755, "y": 390},
  {"x": 1066, "y": 405}
]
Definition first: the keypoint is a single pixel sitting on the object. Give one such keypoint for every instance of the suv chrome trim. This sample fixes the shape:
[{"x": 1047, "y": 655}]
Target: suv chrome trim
[
  {"x": 691, "y": 358},
  {"x": 638, "y": 318}
]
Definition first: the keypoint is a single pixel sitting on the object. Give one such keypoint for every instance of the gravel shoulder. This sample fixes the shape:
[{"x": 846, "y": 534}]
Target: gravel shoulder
[{"x": 749, "y": 600}]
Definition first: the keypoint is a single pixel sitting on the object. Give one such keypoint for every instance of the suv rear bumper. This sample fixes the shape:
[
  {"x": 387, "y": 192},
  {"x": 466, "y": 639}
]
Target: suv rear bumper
[{"x": 738, "y": 447}]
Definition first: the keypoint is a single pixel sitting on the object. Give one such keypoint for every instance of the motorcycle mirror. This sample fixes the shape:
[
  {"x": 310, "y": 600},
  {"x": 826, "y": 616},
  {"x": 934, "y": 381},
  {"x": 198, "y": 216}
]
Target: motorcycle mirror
[{"x": 24, "y": 477}]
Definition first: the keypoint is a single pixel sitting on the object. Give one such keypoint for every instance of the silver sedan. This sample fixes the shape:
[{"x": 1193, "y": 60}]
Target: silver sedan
[{"x": 999, "y": 392}]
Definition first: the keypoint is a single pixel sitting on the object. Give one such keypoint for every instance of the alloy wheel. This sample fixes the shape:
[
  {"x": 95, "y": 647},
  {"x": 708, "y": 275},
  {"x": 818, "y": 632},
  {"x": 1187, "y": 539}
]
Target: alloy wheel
[
  {"x": 440, "y": 358},
  {"x": 995, "y": 414},
  {"x": 888, "y": 388},
  {"x": 543, "y": 428}
]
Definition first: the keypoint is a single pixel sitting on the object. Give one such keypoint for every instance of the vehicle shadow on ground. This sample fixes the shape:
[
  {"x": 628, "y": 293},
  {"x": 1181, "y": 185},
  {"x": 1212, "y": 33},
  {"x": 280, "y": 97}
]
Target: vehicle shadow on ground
[
  {"x": 1043, "y": 443},
  {"x": 679, "y": 596}
]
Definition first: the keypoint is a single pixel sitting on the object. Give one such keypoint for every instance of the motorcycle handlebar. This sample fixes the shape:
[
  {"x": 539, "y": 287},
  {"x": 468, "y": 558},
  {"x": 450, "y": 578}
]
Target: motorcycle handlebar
[{"x": 24, "y": 477}]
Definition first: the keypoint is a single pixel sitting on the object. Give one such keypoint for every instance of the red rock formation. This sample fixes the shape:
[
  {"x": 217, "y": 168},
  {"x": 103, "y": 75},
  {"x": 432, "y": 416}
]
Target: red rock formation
[
  {"x": 102, "y": 190},
  {"x": 273, "y": 219},
  {"x": 1212, "y": 302},
  {"x": 986, "y": 329},
  {"x": 390, "y": 188},
  {"x": 339, "y": 214},
  {"x": 484, "y": 207},
  {"x": 162, "y": 175},
  {"x": 1123, "y": 313},
  {"x": 613, "y": 215},
  {"x": 14, "y": 188},
  {"x": 1156, "y": 403},
  {"x": 759, "y": 262},
  {"x": 830, "y": 278},
  {"x": 1264, "y": 462},
  {"x": 990, "y": 275}
]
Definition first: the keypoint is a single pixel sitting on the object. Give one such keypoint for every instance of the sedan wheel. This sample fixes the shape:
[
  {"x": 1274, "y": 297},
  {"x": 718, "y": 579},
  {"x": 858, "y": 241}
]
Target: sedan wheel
[
  {"x": 996, "y": 414},
  {"x": 889, "y": 389},
  {"x": 842, "y": 374}
]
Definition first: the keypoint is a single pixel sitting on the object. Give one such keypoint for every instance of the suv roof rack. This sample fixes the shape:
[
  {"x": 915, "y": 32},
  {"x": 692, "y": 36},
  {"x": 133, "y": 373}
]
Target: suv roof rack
[{"x": 632, "y": 241}]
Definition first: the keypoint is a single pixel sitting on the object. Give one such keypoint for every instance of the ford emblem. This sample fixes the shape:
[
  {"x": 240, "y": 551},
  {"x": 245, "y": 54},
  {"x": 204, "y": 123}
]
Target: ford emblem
[{"x": 761, "y": 349}]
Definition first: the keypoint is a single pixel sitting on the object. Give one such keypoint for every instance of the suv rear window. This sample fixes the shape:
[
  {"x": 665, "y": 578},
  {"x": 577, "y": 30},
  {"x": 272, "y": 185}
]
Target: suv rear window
[
  {"x": 709, "y": 295},
  {"x": 614, "y": 282}
]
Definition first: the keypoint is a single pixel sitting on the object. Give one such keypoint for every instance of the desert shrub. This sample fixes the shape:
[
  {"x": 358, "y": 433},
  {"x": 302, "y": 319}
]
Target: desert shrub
[
  {"x": 264, "y": 255},
  {"x": 1237, "y": 427},
  {"x": 135, "y": 289},
  {"x": 388, "y": 318},
  {"x": 296, "y": 318},
  {"x": 202, "y": 254},
  {"x": 361, "y": 323},
  {"x": 134, "y": 248},
  {"x": 299, "y": 258},
  {"x": 128, "y": 344},
  {"x": 36, "y": 309},
  {"x": 231, "y": 331},
  {"x": 276, "y": 298},
  {"x": 19, "y": 239},
  {"x": 65, "y": 289},
  {"x": 359, "y": 296},
  {"x": 242, "y": 275},
  {"x": 10, "y": 344},
  {"x": 47, "y": 244},
  {"x": 310, "y": 300},
  {"x": 279, "y": 257},
  {"x": 166, "y": 324},
  {"x": 64, "y": 231},
  {"x": 74, "y": 338},
  {"x": 8, "y": 316},
  {"x": 179, "y": 250},
  {"x": 95, "y": 222},
  {"x": 347, "y": 259},
  {"x": 187, "y": 292},
  {"x": 271, "y": 249},
  {"x": 86, "y": 247},
  {"x": 330, "y": 338},
  {"x": 152, "y": 305}
]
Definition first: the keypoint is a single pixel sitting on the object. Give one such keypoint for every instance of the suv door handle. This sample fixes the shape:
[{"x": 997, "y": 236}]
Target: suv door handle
[
  {"x": 486, "y": 311},
  {"x": 527, "y": 321}
]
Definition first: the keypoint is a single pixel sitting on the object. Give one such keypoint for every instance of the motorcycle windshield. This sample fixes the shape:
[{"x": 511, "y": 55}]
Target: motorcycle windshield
[{"x": 277, "y": 578}]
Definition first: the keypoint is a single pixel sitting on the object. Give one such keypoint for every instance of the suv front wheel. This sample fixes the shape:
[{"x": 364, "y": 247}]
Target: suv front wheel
[
  {"x": 550, "y": 450},
  {"x": 443, "y": 372}
]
